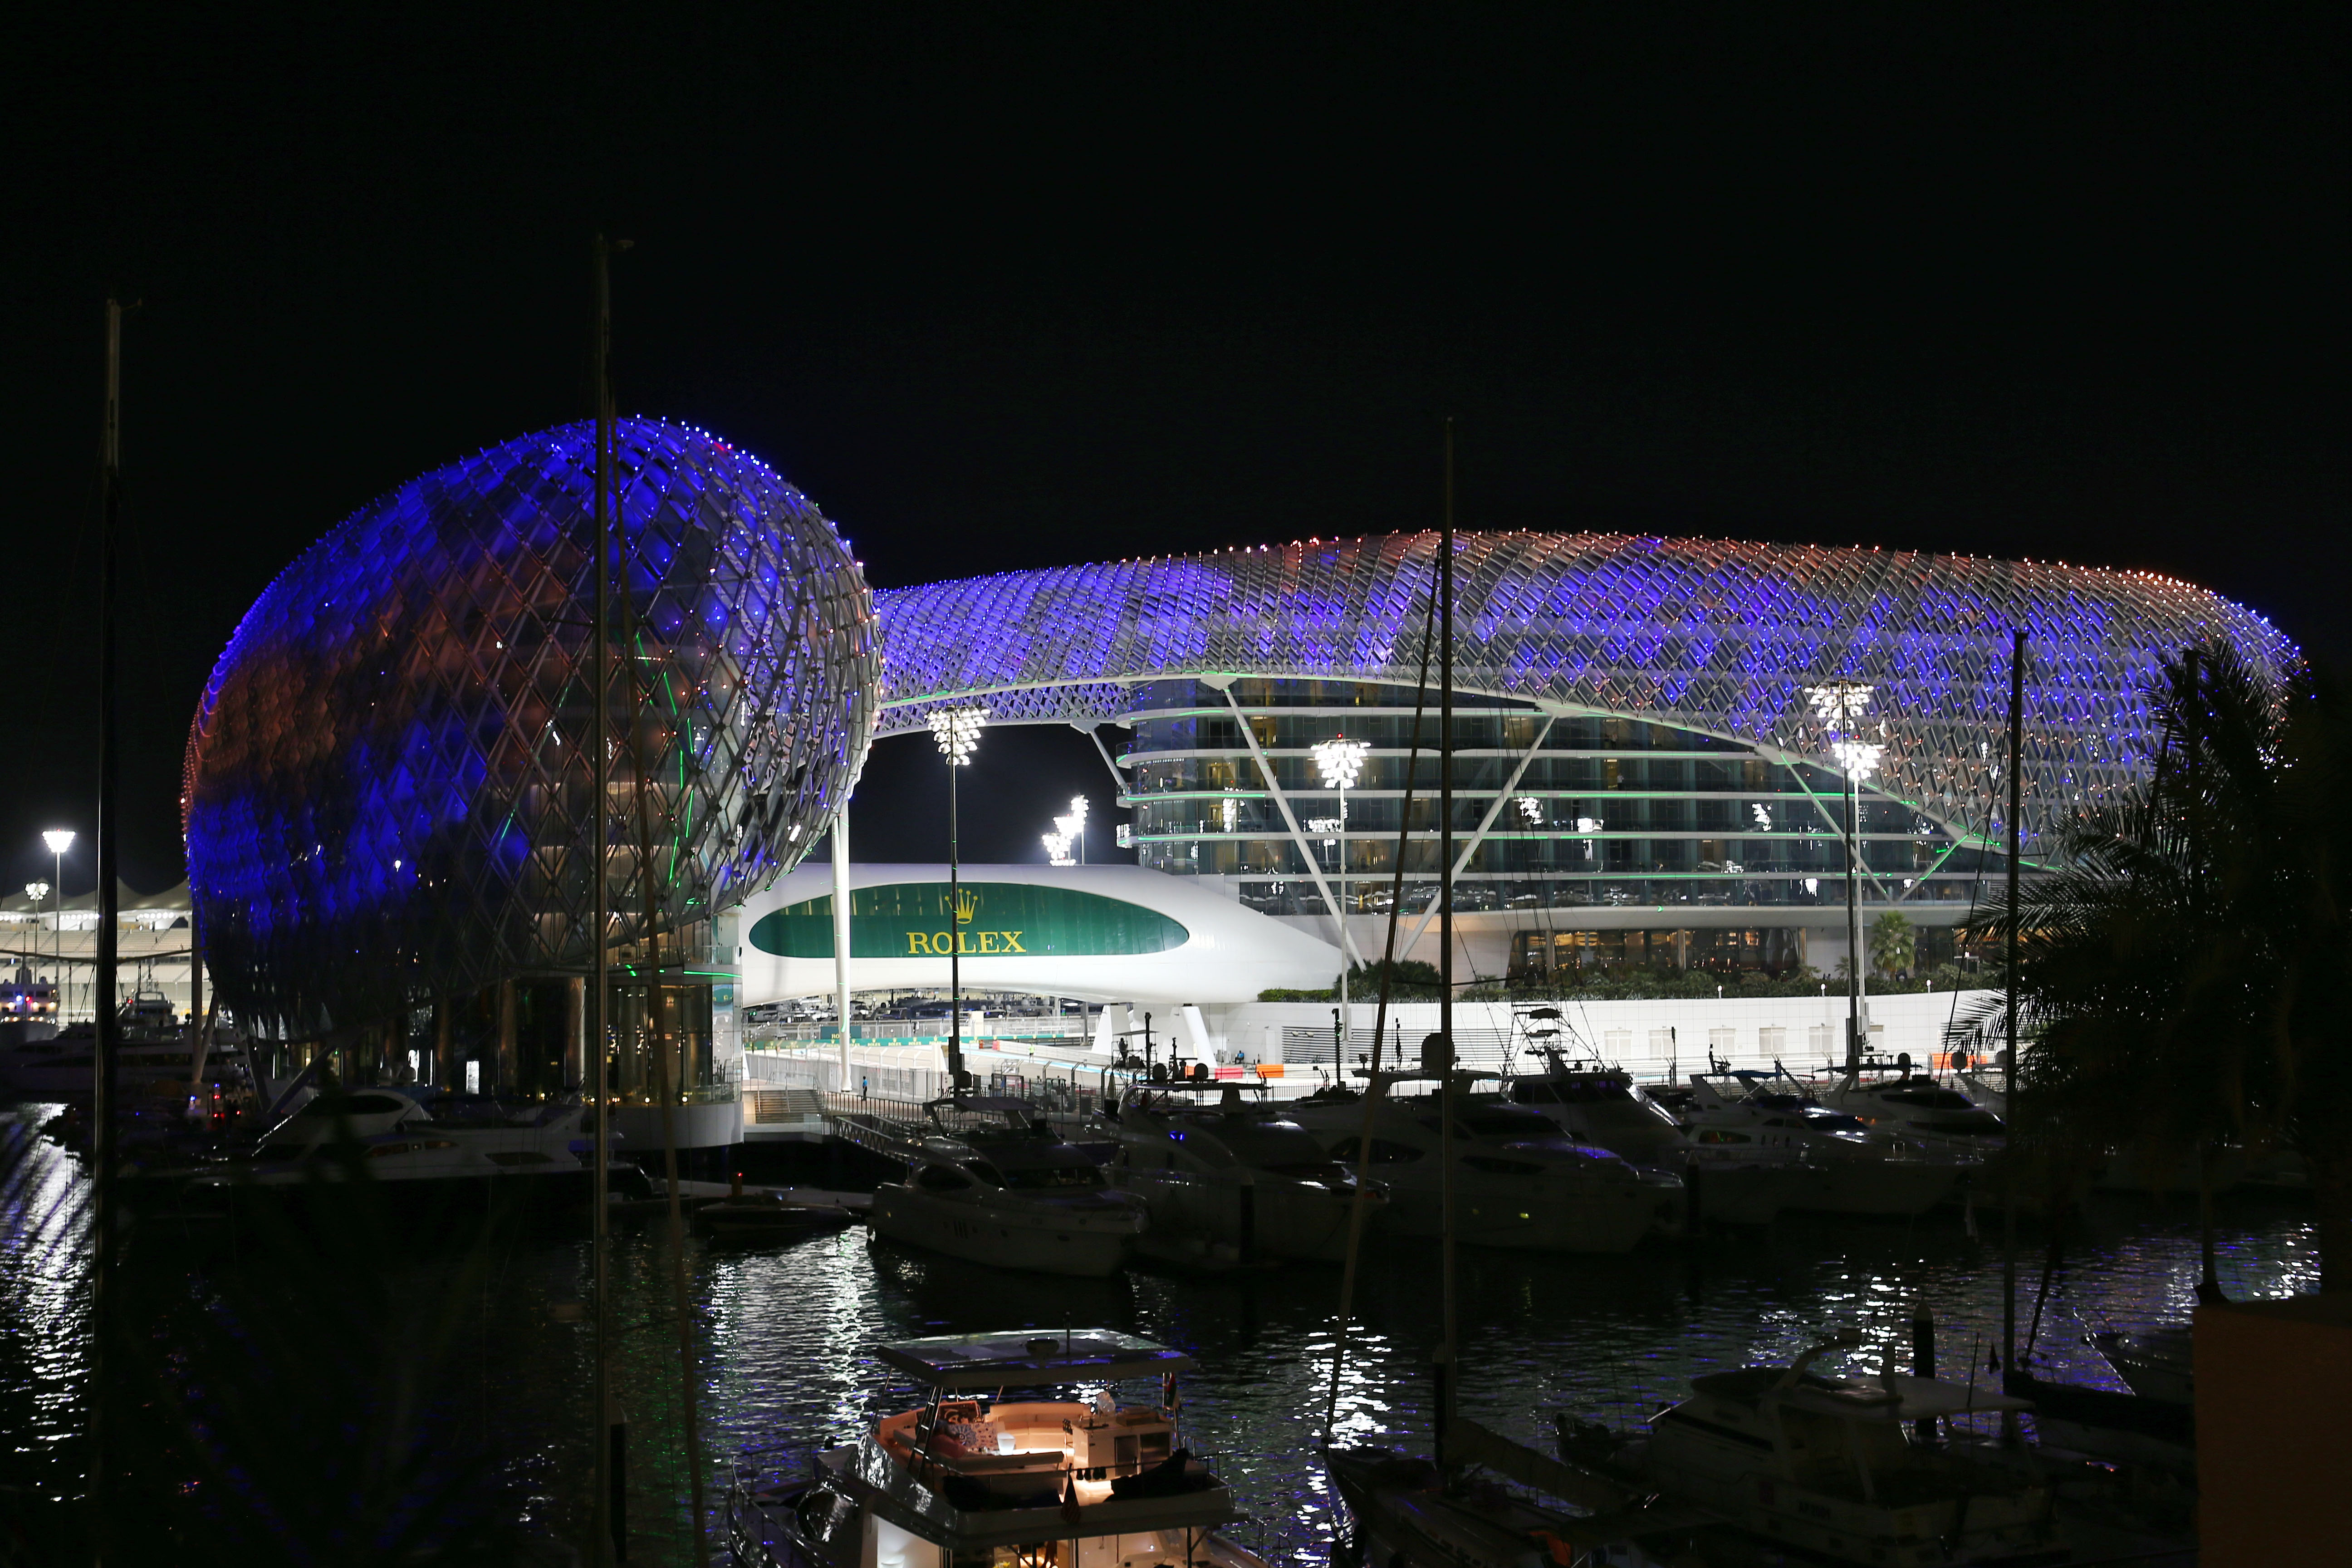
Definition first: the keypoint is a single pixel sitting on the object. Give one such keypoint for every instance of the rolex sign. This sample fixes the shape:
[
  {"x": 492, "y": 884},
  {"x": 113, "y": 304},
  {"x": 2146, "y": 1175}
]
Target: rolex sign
[{"x": 992, "y": 919}]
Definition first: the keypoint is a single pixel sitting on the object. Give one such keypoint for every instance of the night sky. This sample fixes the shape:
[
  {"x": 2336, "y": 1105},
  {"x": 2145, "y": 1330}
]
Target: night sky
[{"x": 1004, "y": 287}]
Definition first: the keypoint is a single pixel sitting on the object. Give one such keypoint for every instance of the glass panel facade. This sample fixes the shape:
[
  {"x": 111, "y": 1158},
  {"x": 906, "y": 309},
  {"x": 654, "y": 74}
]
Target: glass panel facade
[
  {"x": 1603, "y": 812},
  {"x": 389, "y": 795}
]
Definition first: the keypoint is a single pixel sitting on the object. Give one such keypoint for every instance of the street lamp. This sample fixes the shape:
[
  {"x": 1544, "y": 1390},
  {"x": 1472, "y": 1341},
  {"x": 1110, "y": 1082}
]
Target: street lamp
[
  {"x": 34, "y": 893},
  {"x": 1839, "y": 705},
  {"x": 1340, "y": 761},
  {"x": 956, "y": 729},
  {"x": 1068, "y": 829},
  {"x": 59, "y": 841}
]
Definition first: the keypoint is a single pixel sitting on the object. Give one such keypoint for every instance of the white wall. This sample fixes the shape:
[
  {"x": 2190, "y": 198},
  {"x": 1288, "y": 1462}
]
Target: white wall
[{"x": 1643, "y": 1036}]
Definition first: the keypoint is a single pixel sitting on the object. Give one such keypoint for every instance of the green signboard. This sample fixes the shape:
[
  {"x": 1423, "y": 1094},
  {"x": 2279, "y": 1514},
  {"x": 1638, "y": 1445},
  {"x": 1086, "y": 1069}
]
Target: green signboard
[{"x": 995, "y": 919}]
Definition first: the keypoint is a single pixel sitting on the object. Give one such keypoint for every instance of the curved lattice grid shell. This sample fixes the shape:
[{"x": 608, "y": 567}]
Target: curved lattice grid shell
[
  {"x": 388, "y": 787},
  {"x": 1712, "y": 636}
]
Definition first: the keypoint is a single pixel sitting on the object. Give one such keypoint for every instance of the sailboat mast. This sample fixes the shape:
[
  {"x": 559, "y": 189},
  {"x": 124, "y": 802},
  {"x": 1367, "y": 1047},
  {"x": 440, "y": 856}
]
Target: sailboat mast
[
  {"x": 605, "y": 1547},
  {"x": 1446, "y": 1346},
  {"x": 2009, "y": 983},
  {"x": 103, "y": 1156}
]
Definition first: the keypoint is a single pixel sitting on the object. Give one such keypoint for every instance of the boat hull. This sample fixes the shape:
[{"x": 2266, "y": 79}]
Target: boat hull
[
  {"x": 1040, "y": 1240},
  {"x": 1895, "y": 1188},
  {"x": 1601, "y": 1218},
  {"x": 1272, "y": 1218},
  {"x": 1742, "y": 1195}
]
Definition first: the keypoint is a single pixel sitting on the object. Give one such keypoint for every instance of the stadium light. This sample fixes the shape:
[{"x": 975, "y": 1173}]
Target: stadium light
[
  {"x": 1839, "y": 705},
  {"x": 957, "y": 730},
  {"x": 1340, "y": 761},
  {"x": 59, "y": 841}
]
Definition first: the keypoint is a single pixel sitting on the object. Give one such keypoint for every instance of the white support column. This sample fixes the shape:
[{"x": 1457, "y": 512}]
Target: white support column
[
  {"x": 1834, "y": 826},
  {"x": 841, "y": 938},
  {"x": 1494, "y": 811},
  {"x": 1282, "y": 803},
  {"x": 1118, "y": 779}
]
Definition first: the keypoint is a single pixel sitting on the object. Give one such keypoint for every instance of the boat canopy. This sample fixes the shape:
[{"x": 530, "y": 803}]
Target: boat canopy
[
  {"x": 1895, "y": 1397},
  {"x": 1028, "y": 1358}
]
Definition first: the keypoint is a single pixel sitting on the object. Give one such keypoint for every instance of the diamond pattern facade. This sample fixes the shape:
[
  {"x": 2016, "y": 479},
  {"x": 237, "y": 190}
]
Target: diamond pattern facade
[
  {"x": 388, "y": 790},
  {"x": 1708, "y": 636}
]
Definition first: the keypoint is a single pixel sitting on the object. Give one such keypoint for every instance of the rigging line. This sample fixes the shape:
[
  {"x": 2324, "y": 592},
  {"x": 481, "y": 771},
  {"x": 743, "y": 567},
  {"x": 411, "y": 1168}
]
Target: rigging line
[
  {"x": 1380, "y": 1026},
  {"x": 1282, "y": 802},
  {"x": 639, "y": 680}
]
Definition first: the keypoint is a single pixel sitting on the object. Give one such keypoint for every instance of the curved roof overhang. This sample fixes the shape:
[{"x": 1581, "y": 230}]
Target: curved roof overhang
[{"x": 1715, "y": 636}]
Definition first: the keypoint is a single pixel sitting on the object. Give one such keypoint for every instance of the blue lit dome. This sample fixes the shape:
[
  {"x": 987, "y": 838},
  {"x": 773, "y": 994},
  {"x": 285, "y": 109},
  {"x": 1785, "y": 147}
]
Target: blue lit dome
[{"x": 388, "y": 790}]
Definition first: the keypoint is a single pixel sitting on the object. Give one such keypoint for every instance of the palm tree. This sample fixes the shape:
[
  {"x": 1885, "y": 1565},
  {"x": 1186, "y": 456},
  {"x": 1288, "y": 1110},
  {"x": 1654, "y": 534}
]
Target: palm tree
[
  {"x": 2173, "y": 966},
  {"x": 1894, "y": 945}
]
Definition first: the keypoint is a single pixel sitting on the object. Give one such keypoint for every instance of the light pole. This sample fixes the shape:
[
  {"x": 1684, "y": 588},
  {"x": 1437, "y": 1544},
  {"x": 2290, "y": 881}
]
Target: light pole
[
  {"x": 956, "y": 729},
  {"x": 1068, "y": 829},
  {"x": 1340, "y": 761},
  {"x": 34, "y": 893},
  {"x": 1839, "y": 705},
  {"x": 59, "y": 841}
]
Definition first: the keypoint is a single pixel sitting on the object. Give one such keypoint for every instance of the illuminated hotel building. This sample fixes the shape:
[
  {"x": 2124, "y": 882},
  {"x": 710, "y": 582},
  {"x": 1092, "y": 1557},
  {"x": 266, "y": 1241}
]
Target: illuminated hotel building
[{"x": 1641, "y": 777}]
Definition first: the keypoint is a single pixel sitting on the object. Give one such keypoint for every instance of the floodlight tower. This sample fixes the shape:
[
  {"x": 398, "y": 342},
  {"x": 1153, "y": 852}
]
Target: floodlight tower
[
  {"x": 34, "y": 893},
  {"x": 1839, "y": 705},
  {"x": 59, "y": 841},
  {"x": 957, "y": 730},
  {"x": 1340, "y": 760}
]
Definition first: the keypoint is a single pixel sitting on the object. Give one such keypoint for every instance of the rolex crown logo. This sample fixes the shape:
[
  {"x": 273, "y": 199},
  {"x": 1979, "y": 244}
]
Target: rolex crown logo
[{"x": 966, "y": 904}]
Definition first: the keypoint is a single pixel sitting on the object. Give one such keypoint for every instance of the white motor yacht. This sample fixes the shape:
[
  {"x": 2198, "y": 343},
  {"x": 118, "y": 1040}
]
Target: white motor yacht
[
  {"x": 1011, "y": 1194},
  {"x": 1231, "y": 1184},
  {"x": 152, "y": 1053},
  {"x": 1838, "y": 1165},
  {"x": 1835, "y": 1468},
  {"x": 2155, "y": 1363},
  {"x": 1889, "y": 1098},
  {"x": 1520, "y": 1182},
  {"x": 375, "y": 1136},
  {"x": 969, "y": 1478},
  {"x": 1601, "y": 1105}
]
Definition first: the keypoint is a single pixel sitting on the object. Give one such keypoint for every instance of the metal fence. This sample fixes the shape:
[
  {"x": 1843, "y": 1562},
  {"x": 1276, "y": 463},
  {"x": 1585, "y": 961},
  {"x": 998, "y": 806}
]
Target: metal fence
[{"x": 915, "y": 1031}]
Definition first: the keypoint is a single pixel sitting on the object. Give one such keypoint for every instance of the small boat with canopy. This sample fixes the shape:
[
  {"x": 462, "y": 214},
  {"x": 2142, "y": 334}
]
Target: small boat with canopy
[{"x": 970, "y": 1478}]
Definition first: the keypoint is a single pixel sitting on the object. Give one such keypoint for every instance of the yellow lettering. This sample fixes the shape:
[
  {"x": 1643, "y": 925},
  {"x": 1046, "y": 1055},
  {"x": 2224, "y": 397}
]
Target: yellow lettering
[
  {"x": 917, "y": 942},
  {"x": 1012, "y": 941},
  {"x": 987, "y": 941},
  {"x": 940, "y": 943}
]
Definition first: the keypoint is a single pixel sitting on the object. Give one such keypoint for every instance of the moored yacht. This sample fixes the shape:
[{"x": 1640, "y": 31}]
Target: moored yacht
[
  {"x": 374, "y": 1136},
  {"x": 1834, "y": 1468},
  {"x": 2153, "y": 1363},
  {"x": 1519, "y": 1181},
  {"x": 1011, "y": 1194},
  {"x": 154, "y": 1052},
  {"x": 1887, "y": 1097},
  {"x": 1838, "y": 1165},
  {"x": 1599, "y": 1104},
  {"x": 1231, "y": 1184},
  {"x": 971, "y": 1478},
  {"x": 28, "y": 1010}
]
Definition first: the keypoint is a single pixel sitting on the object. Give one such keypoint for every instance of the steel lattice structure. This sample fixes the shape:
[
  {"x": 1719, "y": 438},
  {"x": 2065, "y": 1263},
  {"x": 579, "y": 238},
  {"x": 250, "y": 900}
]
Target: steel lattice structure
[
  {"x": 388, "y": 787},
  {"x": 1711, "y": 635}
]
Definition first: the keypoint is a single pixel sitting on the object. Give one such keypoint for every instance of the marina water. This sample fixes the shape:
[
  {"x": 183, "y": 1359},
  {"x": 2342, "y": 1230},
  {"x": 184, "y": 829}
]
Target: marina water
[{"x": 781, "y": 1330}]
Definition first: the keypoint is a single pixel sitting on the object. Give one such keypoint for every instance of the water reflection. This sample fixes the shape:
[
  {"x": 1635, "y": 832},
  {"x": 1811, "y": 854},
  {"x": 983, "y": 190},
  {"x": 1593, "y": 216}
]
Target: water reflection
[{"x": 781, "y": 1330}]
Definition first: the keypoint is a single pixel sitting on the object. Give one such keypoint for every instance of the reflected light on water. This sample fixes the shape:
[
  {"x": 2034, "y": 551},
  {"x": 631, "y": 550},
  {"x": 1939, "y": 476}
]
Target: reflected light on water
[{"x": 784, "y": 1332}]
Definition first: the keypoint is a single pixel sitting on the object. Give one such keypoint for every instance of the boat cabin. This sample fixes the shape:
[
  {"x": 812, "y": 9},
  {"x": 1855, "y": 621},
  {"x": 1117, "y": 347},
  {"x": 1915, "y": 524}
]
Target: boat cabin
[{"x": 972, "y": 1478}]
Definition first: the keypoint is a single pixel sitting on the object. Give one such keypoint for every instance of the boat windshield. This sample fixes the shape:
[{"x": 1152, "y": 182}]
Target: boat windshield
[
  {"x": 1076, "y": 1172},
  {"x": 1270, "y": 1144},
  {"x": 1582, "y": 1089},
  {"x": 1930, "y": 1098}
]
